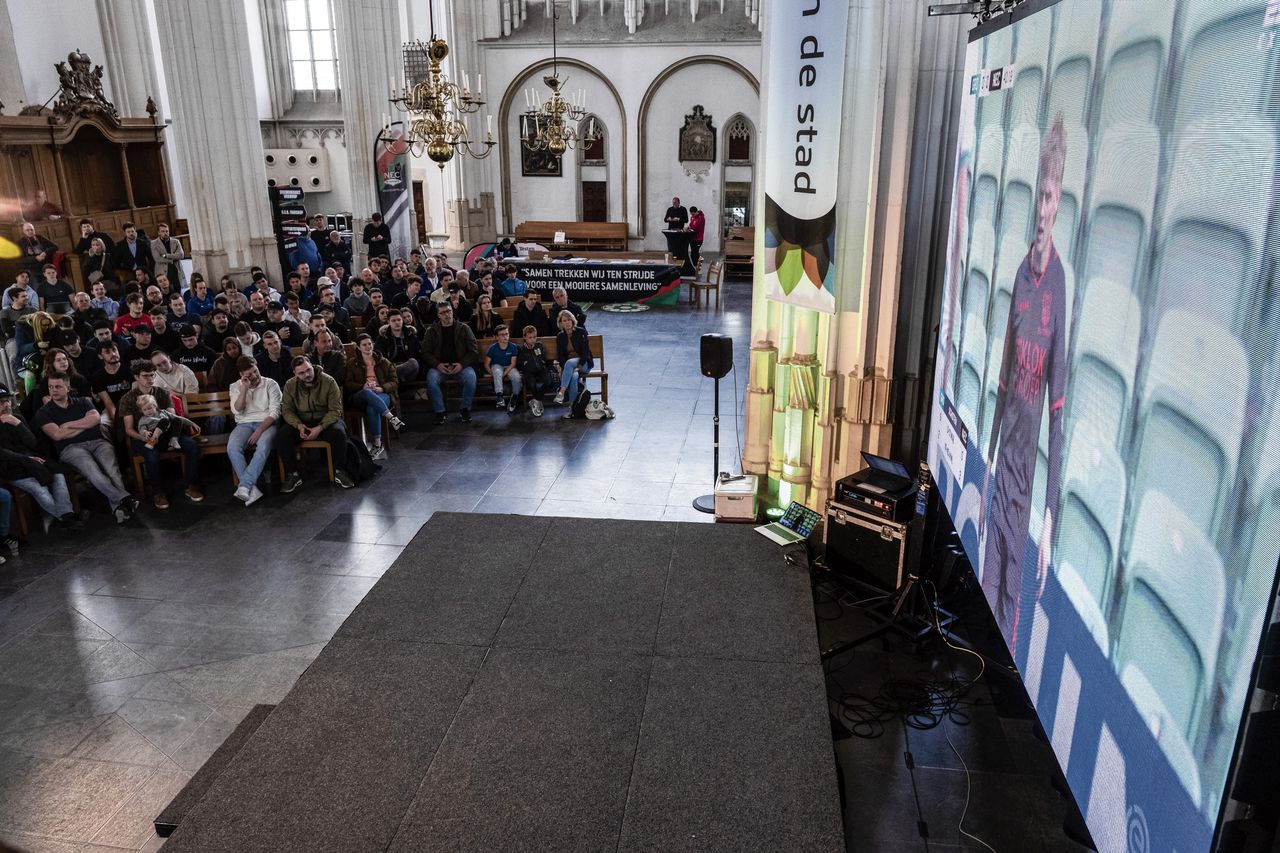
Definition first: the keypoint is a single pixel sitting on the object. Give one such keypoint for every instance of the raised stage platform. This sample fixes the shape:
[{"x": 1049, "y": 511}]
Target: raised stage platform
[{"x": 518, "y": 682}]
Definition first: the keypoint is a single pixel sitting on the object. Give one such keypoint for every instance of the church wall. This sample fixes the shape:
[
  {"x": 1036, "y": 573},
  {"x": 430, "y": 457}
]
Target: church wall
[
  {"x": 632, "y": 71},
  {"x": 722, "y": 93},
  {"x": 43, "y": 39},
  {"x": 558, "y": 197}
]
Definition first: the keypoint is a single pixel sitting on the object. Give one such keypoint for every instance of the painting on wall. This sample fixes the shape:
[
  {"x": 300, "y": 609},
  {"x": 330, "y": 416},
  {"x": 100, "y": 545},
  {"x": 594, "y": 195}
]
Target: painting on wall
[{"x": 536, "y": 164}]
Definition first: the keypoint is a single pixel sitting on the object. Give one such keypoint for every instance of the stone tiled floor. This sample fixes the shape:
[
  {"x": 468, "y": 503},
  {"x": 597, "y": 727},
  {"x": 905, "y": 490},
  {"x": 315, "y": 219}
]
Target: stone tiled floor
[{"x": 128, "y": 654}]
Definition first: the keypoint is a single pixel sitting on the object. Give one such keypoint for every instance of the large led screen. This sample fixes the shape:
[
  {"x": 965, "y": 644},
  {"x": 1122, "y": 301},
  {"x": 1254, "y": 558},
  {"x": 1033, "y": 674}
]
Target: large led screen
[{"x": 1106, "y": 421}]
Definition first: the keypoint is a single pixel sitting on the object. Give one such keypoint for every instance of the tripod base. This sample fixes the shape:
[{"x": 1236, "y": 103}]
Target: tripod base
[
  {"x": 705, "y": 503},
  {"x": 911, "y": 615}
]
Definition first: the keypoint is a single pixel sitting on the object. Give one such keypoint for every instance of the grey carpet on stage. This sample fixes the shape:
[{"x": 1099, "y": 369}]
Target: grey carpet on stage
[{"x": 530, "y": 683}]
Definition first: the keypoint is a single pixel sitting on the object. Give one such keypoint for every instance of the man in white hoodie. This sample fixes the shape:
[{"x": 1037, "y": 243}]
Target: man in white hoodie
[{"x": 255, "y": 402}]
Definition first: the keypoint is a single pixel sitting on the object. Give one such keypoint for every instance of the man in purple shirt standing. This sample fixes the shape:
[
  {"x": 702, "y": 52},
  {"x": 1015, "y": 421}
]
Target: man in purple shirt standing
[{"x": 1033, "y": 367}]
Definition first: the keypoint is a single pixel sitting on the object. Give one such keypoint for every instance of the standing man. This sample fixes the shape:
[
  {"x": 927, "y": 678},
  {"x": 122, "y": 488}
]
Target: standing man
[
  {"x": 319, "y": 233},
  {"x": 1033, "y": 367},
  {"x": 168, "y": 253},
  {"x": 255, "y": 402},
  {"x": 377, "y": 236},
  {"x": 698, "y": 225},
  {"x": 133, "y": 252},
  {"x": 677, "y": 217},
  {"x": 311, "y": 406}
]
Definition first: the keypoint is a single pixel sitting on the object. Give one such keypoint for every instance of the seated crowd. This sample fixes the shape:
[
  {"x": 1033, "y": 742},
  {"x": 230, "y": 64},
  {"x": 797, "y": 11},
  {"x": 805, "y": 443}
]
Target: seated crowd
[{"x": 91, "y": 380}]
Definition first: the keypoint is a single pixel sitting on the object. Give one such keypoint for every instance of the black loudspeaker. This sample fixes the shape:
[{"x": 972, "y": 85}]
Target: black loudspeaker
[{"x": 717, "y": 356}]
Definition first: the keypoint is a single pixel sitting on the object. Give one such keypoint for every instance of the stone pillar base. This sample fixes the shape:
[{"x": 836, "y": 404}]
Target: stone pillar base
[
  {"x": 469, "y": 225},
  {"x": 213, "y": 264}
]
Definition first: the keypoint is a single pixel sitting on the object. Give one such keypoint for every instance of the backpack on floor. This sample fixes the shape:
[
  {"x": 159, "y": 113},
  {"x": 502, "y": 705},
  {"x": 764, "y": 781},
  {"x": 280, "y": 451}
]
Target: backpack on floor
[
  {"x": 359, "y": 463},
  {"x": 581, "y": 403}
]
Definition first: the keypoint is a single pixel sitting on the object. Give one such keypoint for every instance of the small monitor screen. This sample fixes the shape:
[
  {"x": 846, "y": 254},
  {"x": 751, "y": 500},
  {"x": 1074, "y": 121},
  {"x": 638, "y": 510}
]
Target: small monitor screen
[
  {"x": 886, "y": 466},
  {"x": 800, "y": 518}
]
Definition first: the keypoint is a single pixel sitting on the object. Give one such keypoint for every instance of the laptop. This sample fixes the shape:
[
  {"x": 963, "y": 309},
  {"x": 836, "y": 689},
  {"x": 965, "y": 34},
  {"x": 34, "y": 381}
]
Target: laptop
[{"x": 796, "y": 525}]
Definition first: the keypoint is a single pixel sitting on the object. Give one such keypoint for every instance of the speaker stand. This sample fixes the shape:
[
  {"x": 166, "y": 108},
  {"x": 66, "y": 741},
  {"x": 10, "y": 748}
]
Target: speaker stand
[{"x": 707, "y": 503}]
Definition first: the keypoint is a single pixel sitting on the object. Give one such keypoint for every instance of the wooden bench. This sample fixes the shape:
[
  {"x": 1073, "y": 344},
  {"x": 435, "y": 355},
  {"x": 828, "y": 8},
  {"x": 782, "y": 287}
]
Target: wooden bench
[
  {"x": 604, "y": 236},
  {"x": 199, "y": 407},
  {"x": 596, "y": 342},
  {"x": 740, "y": 251},
  {"x": 509, "y": 313}
]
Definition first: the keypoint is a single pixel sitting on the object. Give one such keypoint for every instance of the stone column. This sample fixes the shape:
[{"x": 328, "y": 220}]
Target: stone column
[
  {"x": 369, "y": 64},
  {"x": 217, "y": 132},
  {"x": 130, "y": 61},
  {"x": 469, "y": 192},
  {"x": 820, "y": 383},
  {"x": 12, "y": 92}
]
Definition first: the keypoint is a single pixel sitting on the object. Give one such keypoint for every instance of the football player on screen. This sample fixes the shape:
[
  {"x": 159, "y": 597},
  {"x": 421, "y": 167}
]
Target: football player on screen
[{"x": 1033, "y": 367}]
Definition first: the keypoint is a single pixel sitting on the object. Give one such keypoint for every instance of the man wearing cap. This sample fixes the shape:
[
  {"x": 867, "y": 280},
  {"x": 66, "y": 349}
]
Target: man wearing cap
[
  {"x": 143, "y": 343},
  {"x": 329, "y": 316},
  {"x": 85, "y": 359},
  {"x": 277, "y": 321},
  {"x": 24, "y": 468},
  {"x": 193, "y": 354},
  {"x": 216, "y": 330},
  {"x": 72, "y": 425}
]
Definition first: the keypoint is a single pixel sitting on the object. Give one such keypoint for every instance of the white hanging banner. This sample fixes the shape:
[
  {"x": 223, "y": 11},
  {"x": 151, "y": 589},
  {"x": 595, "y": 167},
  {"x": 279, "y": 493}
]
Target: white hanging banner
[{"x": 805, "y": 93}]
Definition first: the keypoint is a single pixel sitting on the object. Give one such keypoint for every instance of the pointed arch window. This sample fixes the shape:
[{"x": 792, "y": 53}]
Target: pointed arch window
[
  {"x": 739, "y": 141},
  {"x": 595, "y": 153}
]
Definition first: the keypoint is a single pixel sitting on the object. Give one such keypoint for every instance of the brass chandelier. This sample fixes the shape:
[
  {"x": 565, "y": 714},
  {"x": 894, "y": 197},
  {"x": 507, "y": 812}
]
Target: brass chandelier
[
  {"x": 436, "y": 106},
  {"x": 553, "y": 123}
]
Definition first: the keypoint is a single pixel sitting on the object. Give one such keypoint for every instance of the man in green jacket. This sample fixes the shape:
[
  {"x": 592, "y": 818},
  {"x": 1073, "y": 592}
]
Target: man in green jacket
[{"x": 311, "y": 408}]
